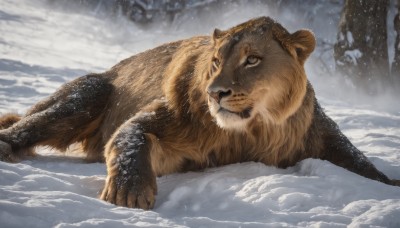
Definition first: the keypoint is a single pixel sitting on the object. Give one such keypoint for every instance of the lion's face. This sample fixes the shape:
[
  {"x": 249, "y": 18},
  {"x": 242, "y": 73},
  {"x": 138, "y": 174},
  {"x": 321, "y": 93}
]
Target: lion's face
[{"x": 257, "y": 72}]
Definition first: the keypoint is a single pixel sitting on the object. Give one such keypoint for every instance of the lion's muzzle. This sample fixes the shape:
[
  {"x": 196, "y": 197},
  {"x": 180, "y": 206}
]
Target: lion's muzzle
[{"x": 218, "y": 94}]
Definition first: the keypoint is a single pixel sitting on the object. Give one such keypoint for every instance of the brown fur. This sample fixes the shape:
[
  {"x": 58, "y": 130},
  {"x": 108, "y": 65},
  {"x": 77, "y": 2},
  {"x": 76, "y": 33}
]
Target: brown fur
[
  {"x": 238, "y": 95},
  {"x": 8, "y": 120}
]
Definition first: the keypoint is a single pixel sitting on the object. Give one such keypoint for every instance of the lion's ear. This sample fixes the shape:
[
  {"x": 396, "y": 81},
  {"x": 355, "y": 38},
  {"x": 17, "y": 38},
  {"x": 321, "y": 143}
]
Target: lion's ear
[
  {"x": 217, "y": 34},
  {"x": 299, "y": 44},
  {"x": 303, "y": 42}
]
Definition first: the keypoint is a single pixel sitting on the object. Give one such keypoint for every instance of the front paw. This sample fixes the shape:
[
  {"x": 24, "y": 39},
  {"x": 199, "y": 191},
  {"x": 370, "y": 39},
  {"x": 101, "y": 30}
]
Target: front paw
[{"x": 134, "y": 191}]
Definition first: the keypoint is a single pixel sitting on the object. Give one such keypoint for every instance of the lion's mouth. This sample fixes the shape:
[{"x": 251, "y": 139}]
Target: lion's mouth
[{"x": 243, "y": 114}]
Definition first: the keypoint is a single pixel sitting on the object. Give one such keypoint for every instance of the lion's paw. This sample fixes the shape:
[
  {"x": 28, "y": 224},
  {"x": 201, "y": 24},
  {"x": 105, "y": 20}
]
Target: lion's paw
[{"x": 134, "y": 193}]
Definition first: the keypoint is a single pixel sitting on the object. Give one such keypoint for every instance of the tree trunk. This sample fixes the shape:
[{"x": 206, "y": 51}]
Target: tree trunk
[
  {"x": 361, "y": 49},
  {"x": 396, "y": 61}
]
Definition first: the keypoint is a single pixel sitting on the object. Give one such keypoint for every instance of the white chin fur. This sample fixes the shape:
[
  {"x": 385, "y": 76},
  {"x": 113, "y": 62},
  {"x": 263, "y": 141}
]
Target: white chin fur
[
  {"x": 231, "y": 121},
  {"x": 227, "y": 120}
]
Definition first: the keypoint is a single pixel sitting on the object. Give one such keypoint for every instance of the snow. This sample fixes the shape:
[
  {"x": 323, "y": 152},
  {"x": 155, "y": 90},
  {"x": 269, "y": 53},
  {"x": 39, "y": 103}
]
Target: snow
[
  {"x": 350, "y": 38},
  {"x": 353, "y": 56},
  {"x": 42, "y": 48}
]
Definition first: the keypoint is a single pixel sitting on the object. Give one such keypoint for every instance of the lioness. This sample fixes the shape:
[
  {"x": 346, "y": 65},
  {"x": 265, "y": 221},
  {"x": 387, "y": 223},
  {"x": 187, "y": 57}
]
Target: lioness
[{"x": 238, "y": 95}]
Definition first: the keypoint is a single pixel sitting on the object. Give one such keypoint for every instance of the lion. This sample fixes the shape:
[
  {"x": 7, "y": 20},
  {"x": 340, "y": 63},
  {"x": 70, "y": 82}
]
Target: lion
[{"x": 238, "y": 95}]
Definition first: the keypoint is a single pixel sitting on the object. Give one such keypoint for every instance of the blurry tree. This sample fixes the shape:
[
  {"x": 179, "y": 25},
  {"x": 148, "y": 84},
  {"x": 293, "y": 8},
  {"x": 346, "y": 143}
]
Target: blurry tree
[
  {"x": 361, "y": 51},
  {"x": 396, "y": 60}
]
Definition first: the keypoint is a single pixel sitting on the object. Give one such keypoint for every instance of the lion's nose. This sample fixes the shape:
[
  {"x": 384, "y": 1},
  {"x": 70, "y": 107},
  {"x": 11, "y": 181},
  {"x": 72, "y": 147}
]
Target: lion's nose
[{"x": 219, "y": 94}]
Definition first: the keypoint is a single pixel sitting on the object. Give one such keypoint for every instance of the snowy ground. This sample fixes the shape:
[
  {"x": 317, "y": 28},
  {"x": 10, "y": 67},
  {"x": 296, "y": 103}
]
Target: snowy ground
[{"x": 41, "y": 48}]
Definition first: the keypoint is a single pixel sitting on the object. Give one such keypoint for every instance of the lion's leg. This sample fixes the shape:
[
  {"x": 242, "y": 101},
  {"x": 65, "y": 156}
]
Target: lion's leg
[
  {"x": 130, "y": 181},
  {"x": 340, "y": 151},
  {"x": 131, "y": 157},
  {"x": 68, "y": 116}
]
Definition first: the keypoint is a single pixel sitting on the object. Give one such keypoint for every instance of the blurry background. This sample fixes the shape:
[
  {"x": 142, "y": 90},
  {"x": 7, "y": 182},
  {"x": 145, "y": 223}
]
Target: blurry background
[
  {"x": 358, "y": 35},
  {"x": 355, "y": 59}
]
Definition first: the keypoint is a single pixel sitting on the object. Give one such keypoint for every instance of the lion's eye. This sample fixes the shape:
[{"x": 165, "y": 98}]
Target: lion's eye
[
  {"x": 252, "y": 60},
  {"x": 215, "y": 63}
]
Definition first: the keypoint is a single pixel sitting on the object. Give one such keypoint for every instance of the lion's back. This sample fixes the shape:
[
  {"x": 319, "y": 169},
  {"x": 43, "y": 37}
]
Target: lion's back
[{"x": 138, "y": 80}]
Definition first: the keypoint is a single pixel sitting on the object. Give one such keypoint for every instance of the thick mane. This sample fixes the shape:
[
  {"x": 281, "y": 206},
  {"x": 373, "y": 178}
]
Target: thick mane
[
  {"x": 184, "y": 84},
  {"x": 285, "y": 142}
]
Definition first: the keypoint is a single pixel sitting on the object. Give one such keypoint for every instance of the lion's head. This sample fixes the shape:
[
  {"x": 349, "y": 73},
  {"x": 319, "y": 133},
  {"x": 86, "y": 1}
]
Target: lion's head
[{"x": 256, "y": 71}]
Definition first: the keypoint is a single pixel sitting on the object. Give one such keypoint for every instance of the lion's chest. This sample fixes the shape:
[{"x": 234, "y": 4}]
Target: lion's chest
[
  {"x": 260, "y": 145},
  {"x": 232, "y": 148}
]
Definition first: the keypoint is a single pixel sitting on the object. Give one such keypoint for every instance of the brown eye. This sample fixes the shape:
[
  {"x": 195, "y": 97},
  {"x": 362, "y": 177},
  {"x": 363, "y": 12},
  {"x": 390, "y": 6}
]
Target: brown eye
[
  {"x": 252, "y": 61},
  {"x": 215, "y": 63}
]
